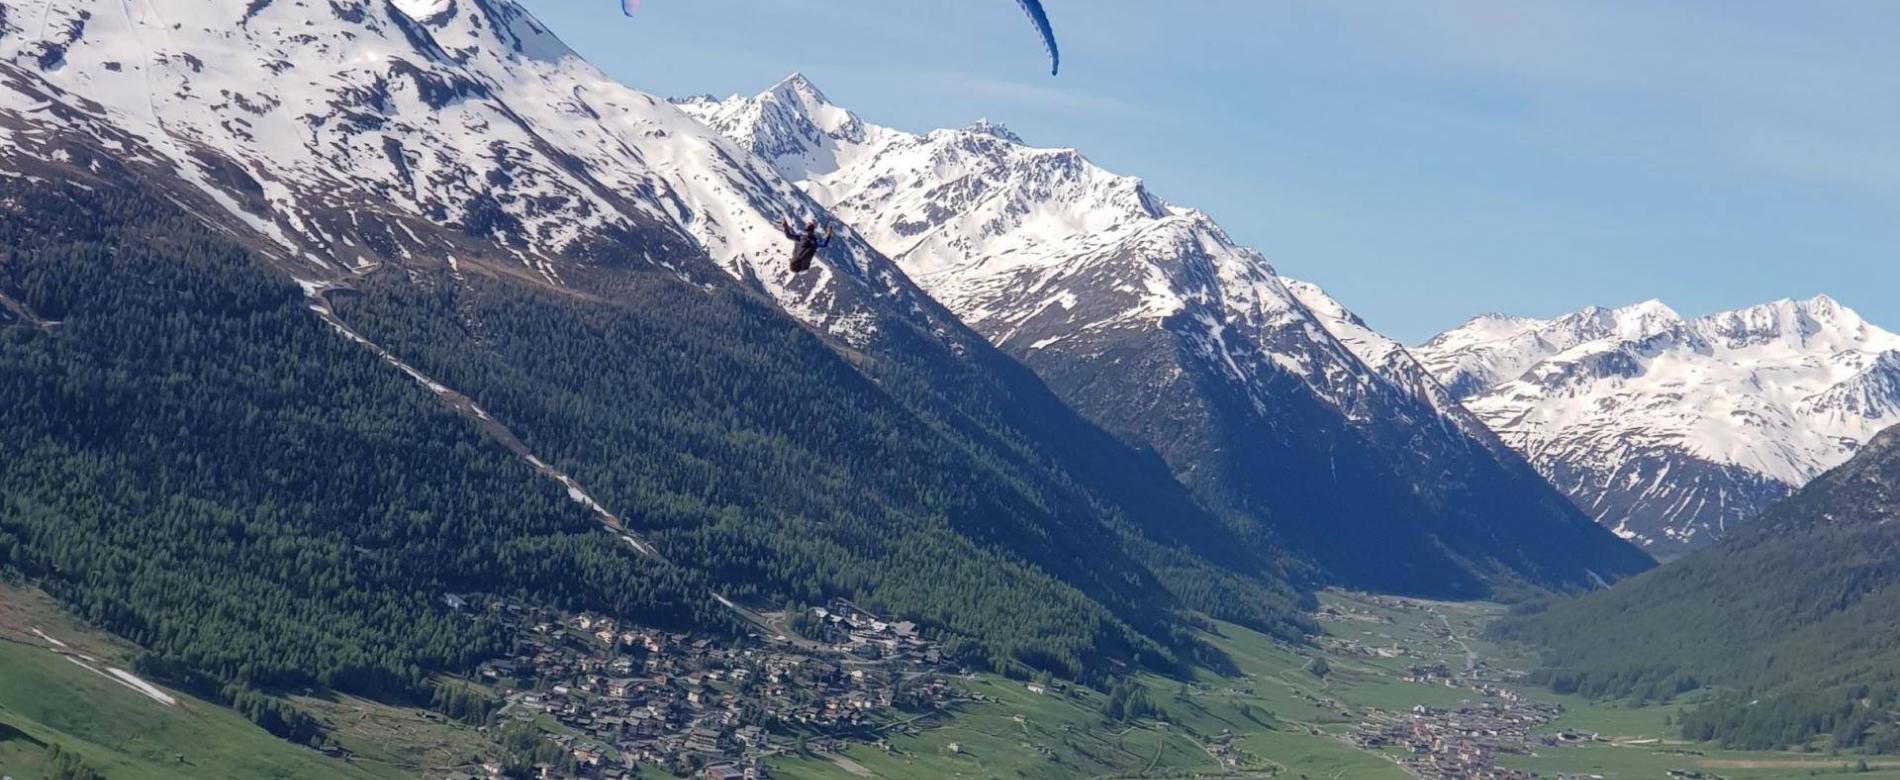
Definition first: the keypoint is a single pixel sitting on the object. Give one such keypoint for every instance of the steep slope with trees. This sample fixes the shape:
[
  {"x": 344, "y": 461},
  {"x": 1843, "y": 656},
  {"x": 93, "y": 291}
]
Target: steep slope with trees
[
  {"x": 198, "y": 463},
  {"x": 1789, "y": 621}
]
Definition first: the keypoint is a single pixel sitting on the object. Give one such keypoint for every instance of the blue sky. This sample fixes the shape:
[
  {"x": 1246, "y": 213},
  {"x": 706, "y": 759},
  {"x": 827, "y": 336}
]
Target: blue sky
[{"x": 1424, "y": 160}]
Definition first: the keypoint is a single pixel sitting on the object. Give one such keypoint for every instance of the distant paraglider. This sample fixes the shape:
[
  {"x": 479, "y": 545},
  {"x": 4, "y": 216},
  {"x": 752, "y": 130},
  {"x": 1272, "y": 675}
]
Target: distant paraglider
[{"x": 1033, "y": 8}]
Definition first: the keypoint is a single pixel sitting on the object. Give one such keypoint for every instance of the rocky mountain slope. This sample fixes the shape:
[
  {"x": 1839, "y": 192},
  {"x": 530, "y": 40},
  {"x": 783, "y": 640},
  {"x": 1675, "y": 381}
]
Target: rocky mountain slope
[
  {"x": 1270, "y": 399},
  {"x": 1675, "y": 431}
]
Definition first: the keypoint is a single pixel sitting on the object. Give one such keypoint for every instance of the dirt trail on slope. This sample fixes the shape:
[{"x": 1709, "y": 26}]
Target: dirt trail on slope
[
  {"x": 1471, "y": 656},
  {"x": 465, "y": 406}
]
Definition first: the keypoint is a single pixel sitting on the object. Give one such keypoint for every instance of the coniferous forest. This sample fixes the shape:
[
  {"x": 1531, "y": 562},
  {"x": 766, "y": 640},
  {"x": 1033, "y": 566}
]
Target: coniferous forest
[
  {"x": 212, "y": 471},
  {"x": 1784, "y": 632},
  {"x": 207, "y": 469}
]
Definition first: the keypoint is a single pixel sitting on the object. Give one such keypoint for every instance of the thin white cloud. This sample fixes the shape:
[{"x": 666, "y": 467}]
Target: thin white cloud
[{"x": 982, "y": 88}]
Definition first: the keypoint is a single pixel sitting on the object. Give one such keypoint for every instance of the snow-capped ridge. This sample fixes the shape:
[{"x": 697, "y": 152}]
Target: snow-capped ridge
[
  {"x": 471, "y": 28},
  {"x": 979, "y": 218},
  {"x": 797, "y": 88},
  {"x": 1152, "y": 319},
  {"x": 1673, "y": 430},
  {"x": 1873, "y": 393},
  {"x": 803, "y": 100},
  {"x": 472, "y": 126},
  {"x": 1794, "y": 323},
  {"x": 983, "y": 126},
  {"x": 425, "y": 11},
  {"x": 940, "y": 200}
]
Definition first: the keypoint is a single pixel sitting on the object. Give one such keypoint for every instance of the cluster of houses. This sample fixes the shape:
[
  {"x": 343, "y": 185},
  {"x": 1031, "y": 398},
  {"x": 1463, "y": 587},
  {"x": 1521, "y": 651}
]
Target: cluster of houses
[
  {"x": 866, "y": 636},
  {"x": 1346, "y": 613},
  {"x": 1354, "y": 647},
  {"x": 629, "y": 695},
  {"x": 1222, "y": 748},
  {"x": 1463, "y": 743},
  {"x": 1432, "y": 674}
]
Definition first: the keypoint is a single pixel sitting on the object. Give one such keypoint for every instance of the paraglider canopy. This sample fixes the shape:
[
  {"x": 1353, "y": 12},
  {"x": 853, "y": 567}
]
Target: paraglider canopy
[
  {"x": 1040, "y": 19},
  {"x": 1032, "y": 8}
]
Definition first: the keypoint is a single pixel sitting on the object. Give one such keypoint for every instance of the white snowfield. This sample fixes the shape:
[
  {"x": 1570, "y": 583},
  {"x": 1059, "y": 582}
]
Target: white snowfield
[
  {"x": 144, "y": 688},
  {"x": 460, "y": 114},
  {"x": 1625, "y": 405}
]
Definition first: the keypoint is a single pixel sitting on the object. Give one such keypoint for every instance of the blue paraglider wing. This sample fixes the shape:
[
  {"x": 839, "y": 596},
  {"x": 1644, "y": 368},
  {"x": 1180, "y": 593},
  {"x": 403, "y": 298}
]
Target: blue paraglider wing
[
  {"x": 1033, "y": 8},
  {"x": 1041, "y": 19}
]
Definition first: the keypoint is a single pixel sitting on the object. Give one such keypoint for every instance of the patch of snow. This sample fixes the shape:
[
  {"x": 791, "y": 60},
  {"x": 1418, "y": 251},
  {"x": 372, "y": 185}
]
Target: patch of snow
[
  {"x": 42, "y": 635},
  {"x": 149, "y": 690}
]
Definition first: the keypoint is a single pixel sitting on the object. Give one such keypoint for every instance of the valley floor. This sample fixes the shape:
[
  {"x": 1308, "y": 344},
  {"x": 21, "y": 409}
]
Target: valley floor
[
  {"x": 1391, "y": 665},
  {"x": 1394, "y": 691}
]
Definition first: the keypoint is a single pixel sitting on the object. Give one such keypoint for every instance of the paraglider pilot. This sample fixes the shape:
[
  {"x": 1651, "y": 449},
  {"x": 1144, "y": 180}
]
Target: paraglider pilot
[{"x": 808, "y": 243}]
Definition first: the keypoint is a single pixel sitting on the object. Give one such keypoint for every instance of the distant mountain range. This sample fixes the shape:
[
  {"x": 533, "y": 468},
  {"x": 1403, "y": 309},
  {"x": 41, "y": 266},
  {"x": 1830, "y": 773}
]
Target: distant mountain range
[
  {"x": 1673, "y": 431},
  {"x": 1273, "y": 401}
]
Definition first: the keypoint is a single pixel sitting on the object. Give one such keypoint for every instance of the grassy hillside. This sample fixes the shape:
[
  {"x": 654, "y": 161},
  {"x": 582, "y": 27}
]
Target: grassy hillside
[
  {"x": 48, "y": 699},
  {"x": 1787, "y": 624}
]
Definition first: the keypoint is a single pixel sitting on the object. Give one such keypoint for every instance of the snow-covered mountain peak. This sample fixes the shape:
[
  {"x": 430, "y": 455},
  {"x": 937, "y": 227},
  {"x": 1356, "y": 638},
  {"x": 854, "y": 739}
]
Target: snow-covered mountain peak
[
  {"x": 1819, "y": 322},
  {"x": 292, "y": 111},
  {"x": 799, "y": 96},
  {"x": 1635, "y": 322},
  {"x": 1488, "y": 327},
  {"x": 792, "y": 125},
  {"x": 1673, "y": 430},
  {"x": 1644, "y": 319},
  {"x": 996, "y": 130},
  {"x": 1155, "y": 322},
  {"x": 471, "y": 126},
  {"x": 796, "y": 86},
  {"x": 951, "y": 199},
  {"x": 1493, "y": 349},
  {"x": 1029, "y": 243},
  {"x": 1039, "y": 248}
]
